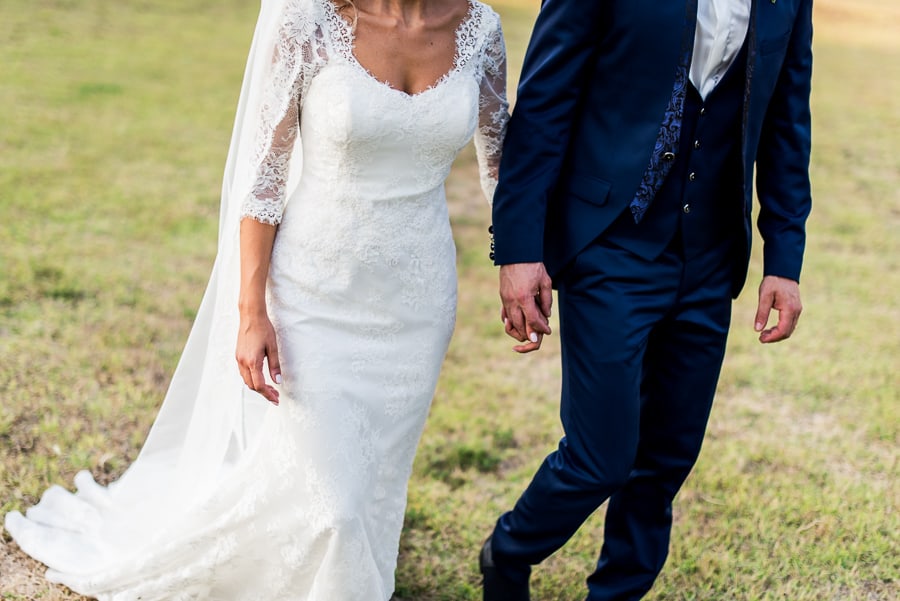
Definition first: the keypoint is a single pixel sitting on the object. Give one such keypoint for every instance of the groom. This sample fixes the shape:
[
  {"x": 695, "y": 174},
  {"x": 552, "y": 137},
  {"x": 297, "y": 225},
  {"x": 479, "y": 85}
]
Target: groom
[{"x": 627, "y": 178}]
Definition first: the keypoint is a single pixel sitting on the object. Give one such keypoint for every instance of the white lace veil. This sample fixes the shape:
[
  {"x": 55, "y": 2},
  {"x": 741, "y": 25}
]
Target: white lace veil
[
  {"x": 208, "y": 409},
  {"x": 208, "y": 418}
]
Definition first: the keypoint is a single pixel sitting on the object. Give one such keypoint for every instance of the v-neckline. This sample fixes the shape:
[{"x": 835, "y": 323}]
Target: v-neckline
[{"x": 349, "y": 37}]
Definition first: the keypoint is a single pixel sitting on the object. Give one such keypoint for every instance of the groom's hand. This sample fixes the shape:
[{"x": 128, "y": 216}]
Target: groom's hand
[
  {"x": 527, "y": 296},
  {"x": 782, "y": 295}
]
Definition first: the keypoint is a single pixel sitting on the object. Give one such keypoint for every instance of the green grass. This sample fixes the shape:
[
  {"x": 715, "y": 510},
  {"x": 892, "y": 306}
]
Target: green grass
[{"x": 115, "y": 123}]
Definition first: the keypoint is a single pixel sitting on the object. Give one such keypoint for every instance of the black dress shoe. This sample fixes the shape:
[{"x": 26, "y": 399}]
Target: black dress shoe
[{"x": 498, "y": 587}]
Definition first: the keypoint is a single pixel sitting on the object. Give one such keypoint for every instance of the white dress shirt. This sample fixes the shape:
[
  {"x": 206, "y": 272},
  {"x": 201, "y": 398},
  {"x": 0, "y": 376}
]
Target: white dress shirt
[{"x": 721, "y": 28}]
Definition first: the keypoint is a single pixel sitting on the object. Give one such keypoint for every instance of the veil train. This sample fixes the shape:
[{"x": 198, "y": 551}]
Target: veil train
[{"x": 209, "y": 418}]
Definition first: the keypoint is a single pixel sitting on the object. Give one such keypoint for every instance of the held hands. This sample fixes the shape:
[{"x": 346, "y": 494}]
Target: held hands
[
  {"x": 782, "y": 295},
  {"x": 256, "y": 341},
  {"x": 527, "y": 297}
]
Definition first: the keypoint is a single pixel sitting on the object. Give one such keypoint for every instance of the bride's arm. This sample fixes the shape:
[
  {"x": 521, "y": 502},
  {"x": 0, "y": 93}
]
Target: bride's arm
[
  {"x": 292, "y": 67},
  {"x": 493, "y": 112},
  {"x": 260, "y": 215},
  {"x": 256, "y": 336}
]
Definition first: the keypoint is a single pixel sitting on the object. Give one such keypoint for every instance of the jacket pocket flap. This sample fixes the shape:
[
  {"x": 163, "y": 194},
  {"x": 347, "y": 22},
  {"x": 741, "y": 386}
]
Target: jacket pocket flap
[{"x": 586, "y": 187}]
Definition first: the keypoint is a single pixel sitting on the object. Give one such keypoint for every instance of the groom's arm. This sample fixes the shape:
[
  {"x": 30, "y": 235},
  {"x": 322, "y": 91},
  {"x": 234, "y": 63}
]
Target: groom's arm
[
  {"x": 553, "y": 76},
  {"x": 782, "y": 183}
]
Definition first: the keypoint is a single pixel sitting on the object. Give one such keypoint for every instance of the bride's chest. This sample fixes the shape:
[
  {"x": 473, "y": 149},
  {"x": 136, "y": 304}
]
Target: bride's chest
[{"x": 347, "y": 106}]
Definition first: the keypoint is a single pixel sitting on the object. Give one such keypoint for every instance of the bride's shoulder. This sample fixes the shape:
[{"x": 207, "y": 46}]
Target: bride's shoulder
[
  {"x": 302, "y": 18},
  {"x": 309, "y": 10},
  {"x": 489, "y": 18},
  {"x": 487, "y": 8}
]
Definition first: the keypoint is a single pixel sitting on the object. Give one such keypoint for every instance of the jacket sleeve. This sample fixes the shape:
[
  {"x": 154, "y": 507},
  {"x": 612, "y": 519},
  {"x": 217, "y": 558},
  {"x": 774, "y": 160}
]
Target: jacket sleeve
[
  {"x": 782, "y": 160},
  {"x": 553, "y": 75}
]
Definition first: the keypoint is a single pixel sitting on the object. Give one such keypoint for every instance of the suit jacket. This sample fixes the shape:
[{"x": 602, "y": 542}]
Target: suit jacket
[{"x": 595, "y": 83}]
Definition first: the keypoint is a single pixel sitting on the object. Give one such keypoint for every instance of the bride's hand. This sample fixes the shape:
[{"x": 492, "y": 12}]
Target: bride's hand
[{"x": 256, "y": 341}]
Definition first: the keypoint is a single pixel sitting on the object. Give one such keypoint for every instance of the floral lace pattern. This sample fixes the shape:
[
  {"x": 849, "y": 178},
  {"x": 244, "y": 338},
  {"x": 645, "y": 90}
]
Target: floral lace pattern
[
  {"x": 362, "y": 294},
  {"x": 670, "y": 131},
  {"x": 297, "y": 58},
  {"x": 316, "y": 35}
]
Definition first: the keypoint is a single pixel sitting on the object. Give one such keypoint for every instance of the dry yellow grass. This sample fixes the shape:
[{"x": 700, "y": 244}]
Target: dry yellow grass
[{"x": 795, "y": 496}]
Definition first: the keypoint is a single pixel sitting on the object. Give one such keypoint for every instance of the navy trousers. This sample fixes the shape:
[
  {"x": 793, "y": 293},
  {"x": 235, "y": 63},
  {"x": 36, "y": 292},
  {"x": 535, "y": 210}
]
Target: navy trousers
[{"x": 642, "y": 347}]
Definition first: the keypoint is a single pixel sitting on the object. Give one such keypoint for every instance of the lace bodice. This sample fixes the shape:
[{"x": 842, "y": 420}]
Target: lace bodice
[{"x": 314, "y": 38}]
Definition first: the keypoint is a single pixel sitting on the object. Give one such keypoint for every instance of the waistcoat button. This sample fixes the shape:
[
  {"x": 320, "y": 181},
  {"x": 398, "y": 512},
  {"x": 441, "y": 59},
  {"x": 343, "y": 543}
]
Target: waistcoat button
[
  {"x": 668, "y": 156},
  {"x": 686, "y": 208}
]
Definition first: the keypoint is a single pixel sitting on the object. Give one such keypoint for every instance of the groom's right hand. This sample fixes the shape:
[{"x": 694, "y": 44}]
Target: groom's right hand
[{"x": 527, "y": 296}]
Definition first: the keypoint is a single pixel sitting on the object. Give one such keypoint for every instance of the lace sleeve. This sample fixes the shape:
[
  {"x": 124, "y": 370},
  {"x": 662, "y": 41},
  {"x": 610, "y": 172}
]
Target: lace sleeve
[
  {"x": 493, "y": 111},
  {"x": 295, "y": 60}
]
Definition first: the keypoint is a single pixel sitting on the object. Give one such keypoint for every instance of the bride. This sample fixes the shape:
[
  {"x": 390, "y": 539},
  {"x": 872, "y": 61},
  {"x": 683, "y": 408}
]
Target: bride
[{"x": 336, "y": 283}]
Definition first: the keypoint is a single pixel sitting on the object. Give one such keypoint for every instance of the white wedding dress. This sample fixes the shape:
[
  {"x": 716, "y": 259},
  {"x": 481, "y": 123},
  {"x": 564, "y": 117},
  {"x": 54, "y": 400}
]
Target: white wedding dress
[{"x": 232, "y": 499}]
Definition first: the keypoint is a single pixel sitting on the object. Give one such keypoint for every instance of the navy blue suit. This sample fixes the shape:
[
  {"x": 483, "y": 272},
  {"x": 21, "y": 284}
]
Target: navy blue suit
[{"x": 644, "y": 307}]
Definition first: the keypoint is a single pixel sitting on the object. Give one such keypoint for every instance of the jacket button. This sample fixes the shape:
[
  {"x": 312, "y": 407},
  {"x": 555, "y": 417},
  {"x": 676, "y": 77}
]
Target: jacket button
[
  {"x": 692, "y": 176},
  {"x": 492, "y": 256},
  {"x": 686, "y": 208},
  {"x": 703, "y": 110},
  {"x": 668, "y": 156},
  {"x": 696, "y": 144}
]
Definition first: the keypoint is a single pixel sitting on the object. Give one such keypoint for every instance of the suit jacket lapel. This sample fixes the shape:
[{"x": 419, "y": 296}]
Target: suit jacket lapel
[{"x": 748, "y": 83}]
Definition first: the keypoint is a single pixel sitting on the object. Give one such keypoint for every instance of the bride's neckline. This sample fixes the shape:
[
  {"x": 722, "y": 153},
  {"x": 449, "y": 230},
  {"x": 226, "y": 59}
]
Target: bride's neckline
[{"x": 348, "y": 40}]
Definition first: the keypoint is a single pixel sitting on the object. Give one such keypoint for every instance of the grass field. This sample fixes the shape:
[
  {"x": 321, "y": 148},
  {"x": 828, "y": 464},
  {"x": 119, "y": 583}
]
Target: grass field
[{"x": 115, "y": 122}]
